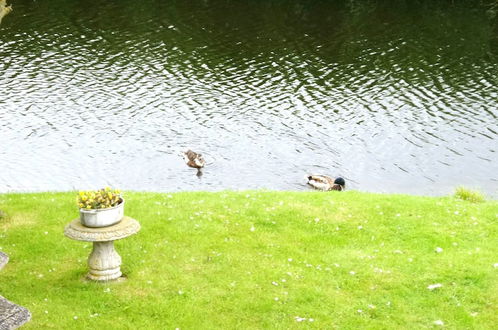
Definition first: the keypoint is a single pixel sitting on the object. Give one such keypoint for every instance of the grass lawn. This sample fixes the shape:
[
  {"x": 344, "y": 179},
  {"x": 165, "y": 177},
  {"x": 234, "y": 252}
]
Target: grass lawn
[{"x": 260, "y": 259}]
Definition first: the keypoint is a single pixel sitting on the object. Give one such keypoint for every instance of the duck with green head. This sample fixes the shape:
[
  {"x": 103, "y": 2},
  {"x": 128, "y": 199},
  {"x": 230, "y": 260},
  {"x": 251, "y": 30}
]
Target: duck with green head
[{"x": 326, "y": 183}]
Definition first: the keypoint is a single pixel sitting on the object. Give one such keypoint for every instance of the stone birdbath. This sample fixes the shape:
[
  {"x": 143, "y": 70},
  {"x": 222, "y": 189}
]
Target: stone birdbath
[{"x": 104, "y": 262}]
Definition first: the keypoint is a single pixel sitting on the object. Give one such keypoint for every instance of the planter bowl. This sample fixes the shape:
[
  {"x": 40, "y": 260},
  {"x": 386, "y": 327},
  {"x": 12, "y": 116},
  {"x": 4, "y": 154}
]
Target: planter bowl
[{"x": 102, "y": 217}]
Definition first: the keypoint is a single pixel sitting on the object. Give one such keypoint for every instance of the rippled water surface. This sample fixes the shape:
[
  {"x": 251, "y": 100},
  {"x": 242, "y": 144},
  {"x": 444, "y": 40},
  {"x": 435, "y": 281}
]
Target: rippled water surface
[{"x": 392, "y": 96}]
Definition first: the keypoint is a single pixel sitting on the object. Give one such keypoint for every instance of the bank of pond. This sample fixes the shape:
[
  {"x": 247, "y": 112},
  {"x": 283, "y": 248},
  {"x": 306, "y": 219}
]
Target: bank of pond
[{"x": 260, "y": 259}]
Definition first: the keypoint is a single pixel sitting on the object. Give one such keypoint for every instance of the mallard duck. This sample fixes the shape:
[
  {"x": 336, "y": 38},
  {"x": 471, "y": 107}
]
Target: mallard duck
[
  {"x": 4, "y": 9},
  {"x": 194, "y": 159},
  {"x": 323, "y": 182}
]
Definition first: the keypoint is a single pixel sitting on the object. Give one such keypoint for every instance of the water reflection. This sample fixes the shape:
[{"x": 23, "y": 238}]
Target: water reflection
[{"x": 393, "y": 96}]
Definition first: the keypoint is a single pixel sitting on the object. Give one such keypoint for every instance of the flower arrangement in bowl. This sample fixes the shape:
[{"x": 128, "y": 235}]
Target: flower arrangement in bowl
[{"x": 100, "y": 208}]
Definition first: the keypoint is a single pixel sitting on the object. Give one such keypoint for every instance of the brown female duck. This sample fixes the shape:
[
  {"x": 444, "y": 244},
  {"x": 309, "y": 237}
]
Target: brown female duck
[
  {"x": 4, "y": 9},
  {"x": 193, "y": 159}
]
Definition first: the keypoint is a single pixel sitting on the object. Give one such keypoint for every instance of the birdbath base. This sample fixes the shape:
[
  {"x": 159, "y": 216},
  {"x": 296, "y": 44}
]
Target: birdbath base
[{"x": 104, "y": 262}]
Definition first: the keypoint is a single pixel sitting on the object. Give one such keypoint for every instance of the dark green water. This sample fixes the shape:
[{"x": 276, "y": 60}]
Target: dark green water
[{"x": 396, "y": 96}]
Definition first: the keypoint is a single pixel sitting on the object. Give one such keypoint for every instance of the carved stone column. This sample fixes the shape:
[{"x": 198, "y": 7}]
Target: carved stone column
[{"x": 104, "y": 262}]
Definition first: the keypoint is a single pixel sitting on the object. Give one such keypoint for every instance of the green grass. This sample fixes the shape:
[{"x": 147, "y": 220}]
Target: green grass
[
  {"x": 470, "y": 195},
  {"x": 252, "y": 260}
]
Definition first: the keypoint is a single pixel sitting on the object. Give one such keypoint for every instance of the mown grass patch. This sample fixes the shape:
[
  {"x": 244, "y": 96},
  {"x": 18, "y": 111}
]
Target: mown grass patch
[{"x": 260, "y": 259}]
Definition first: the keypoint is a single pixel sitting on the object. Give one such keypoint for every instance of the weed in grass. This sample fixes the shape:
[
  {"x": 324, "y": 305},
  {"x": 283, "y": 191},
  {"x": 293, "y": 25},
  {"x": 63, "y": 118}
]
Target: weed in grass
[{"x": 470, "y": 195}]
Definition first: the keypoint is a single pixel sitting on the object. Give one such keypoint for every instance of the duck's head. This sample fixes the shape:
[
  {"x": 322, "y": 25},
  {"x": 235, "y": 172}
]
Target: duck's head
[{"x": 340, "y": 181}]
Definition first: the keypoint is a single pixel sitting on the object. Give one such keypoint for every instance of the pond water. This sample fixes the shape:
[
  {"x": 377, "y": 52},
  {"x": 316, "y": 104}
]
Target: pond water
[{"x": 393, "y": 96}]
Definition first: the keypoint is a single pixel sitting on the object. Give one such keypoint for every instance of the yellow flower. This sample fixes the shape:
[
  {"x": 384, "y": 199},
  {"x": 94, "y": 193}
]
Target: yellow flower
[{"x": 98, "y": 199}]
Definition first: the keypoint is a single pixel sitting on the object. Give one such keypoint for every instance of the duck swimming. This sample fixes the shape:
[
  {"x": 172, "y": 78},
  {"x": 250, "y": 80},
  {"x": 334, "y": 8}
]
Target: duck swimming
[
  {"x": 326, "y": 183},
  {"x": 193, "y": 159},
  {"x": 4, "y": 9}
]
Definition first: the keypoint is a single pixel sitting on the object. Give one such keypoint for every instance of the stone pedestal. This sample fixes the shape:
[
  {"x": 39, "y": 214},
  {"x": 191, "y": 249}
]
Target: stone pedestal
[
  {"x": 4, "y": 259},
  {"x": 12, "y": 316},
  {"x": 104, "y": 262}
]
